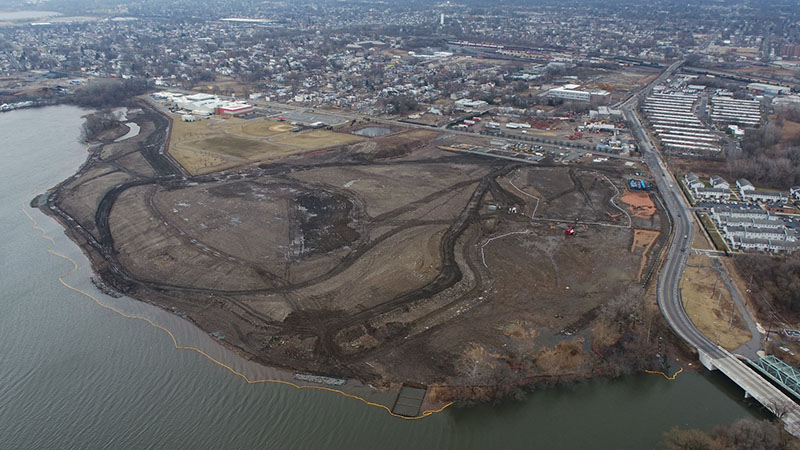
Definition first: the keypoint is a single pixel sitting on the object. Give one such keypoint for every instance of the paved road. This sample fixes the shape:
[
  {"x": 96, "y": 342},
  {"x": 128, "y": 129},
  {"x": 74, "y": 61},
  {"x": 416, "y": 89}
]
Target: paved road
[{"x": 668, "y": 291}]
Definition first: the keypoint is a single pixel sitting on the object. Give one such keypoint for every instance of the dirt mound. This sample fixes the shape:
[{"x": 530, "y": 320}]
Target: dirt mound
[{"x": 639, "y": 204}]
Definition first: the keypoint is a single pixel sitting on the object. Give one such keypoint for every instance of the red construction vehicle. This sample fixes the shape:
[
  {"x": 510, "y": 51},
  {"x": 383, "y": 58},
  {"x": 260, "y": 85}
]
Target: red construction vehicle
[{"x": 570, "y": 229}]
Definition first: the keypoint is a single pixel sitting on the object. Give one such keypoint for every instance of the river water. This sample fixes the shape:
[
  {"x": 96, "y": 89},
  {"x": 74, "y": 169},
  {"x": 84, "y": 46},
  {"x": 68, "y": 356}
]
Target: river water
[{"x": 76, "y": 375}]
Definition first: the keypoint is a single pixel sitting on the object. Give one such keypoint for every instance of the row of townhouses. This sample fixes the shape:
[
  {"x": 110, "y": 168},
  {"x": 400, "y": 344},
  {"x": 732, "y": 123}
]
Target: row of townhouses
[{"x": 748, "y": 227}]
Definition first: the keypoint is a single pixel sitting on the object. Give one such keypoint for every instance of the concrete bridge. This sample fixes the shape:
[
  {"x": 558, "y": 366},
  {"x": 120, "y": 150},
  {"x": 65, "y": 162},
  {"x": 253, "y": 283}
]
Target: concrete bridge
[{"x": 754, "y": 386}]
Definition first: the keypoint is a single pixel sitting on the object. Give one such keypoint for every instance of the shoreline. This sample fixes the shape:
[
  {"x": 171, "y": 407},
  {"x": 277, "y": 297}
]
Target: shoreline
[{"x": 225, "y": 356}]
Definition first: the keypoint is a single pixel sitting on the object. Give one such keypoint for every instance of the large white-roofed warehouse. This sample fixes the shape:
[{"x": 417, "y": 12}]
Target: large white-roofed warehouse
[{"x": 676, "y": 126}]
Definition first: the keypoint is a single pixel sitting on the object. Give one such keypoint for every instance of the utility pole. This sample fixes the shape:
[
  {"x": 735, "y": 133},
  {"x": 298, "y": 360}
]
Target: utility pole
[{"x": 730, "y": 324}]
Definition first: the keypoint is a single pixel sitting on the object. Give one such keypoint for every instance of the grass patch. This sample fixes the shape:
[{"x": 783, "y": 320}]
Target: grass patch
[
  {"x": 200, "y": 162},
  {"x": 265, "y": 128},
  {"x": 235, "y": 146},
  {"x": 710, "y": 306},
  {"x": 315, "y": 139},
  {"x": 699, "y": 260},
  {"x": 700, "y": 242}
]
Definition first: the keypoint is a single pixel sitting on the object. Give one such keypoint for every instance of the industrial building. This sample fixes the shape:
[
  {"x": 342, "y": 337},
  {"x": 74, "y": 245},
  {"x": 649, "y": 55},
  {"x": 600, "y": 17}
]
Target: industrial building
[
  {"x": 728, "y": 110},
  {"x": 676, "y": 126},
  {"x": 769, "y": 89},
  {"x": 571, "y": 92},
  {"x": 203, "y": 104}
]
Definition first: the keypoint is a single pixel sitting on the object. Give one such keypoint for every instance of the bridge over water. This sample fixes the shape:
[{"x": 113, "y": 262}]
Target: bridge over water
[{"x": 755, "y": 386}]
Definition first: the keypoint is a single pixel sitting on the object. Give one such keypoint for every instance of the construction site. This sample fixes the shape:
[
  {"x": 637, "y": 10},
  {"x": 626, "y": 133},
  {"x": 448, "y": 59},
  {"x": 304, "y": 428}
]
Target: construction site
[{"x": 384, "y": 258}]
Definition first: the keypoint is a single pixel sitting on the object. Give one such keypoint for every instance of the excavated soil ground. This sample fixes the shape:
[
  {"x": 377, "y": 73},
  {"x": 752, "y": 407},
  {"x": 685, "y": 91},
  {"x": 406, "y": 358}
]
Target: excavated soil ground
[{"x": 383, "y": 260}]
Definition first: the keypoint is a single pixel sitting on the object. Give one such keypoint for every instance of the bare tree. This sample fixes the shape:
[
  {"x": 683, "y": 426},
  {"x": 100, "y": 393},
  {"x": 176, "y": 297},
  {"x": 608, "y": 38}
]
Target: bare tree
[
  {"x": 624, "y": 310},
  {"x": 779, "y": 407},
  {"x": 678, "y": 439},
  {"x": 754, "y": 435},
  {"x": 477, "y": 364}
]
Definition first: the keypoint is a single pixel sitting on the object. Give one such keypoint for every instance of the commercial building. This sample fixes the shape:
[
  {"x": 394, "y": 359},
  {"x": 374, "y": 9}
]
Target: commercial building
[
  {"x": 769, "y": 89},
  {"x": 234, "y": 109},
  {"x": 571, "y": 93},
  {"x": 467, "y": 103}
]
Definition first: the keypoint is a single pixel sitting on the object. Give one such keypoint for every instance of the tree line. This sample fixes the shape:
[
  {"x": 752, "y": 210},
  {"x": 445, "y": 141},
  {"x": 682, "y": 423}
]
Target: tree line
[
  {"x": 774, "y": 280},
  {"x": 744, "y": 434},
  {"x": 770, "y": 157},
  {"x": 108, "y": 92}
]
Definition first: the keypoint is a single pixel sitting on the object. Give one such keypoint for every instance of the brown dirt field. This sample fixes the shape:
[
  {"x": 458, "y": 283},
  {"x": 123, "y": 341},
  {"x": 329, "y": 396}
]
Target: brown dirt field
[
  {"x": 406, "y": 261},
  {"x": 764, "y": 71},
  {"x": 562, "y": 273},
  {"x": 152, "y": 250},
  {"x": 384, "y": 189},
  {"x": 565, "y": 194},
  {"x": 641, "y": 205},
  {"x": 84, "y": 195},
  {"x": 643, "y": 239},
  {"x": 647, "y": 79},
  {"x": 227, "y": 215},
  {"x": 700, "y": 298},
  {"x": 699, "y": 260},
  {"x": 700, "y": 241}
]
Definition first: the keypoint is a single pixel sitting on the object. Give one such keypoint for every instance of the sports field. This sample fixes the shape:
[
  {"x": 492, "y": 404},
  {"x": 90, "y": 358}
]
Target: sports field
[
  {"x": 214, "y": 144},
  {"x": 264, "y": 128}
]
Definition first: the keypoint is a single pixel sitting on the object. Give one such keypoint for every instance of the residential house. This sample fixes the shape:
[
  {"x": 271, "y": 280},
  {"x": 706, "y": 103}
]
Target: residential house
[
  {"x": 693, "y": 181},
  {"x": 719, "y": 182}
]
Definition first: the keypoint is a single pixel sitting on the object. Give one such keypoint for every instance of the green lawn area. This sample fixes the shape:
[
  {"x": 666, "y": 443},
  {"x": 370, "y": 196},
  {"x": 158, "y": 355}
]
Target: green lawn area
[
  {"x": 686, "y": 192},
  {"x": 712, "y": 231}
]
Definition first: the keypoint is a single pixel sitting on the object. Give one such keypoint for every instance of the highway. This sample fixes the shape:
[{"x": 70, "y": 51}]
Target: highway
[{"x": 668, "y": 291}]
